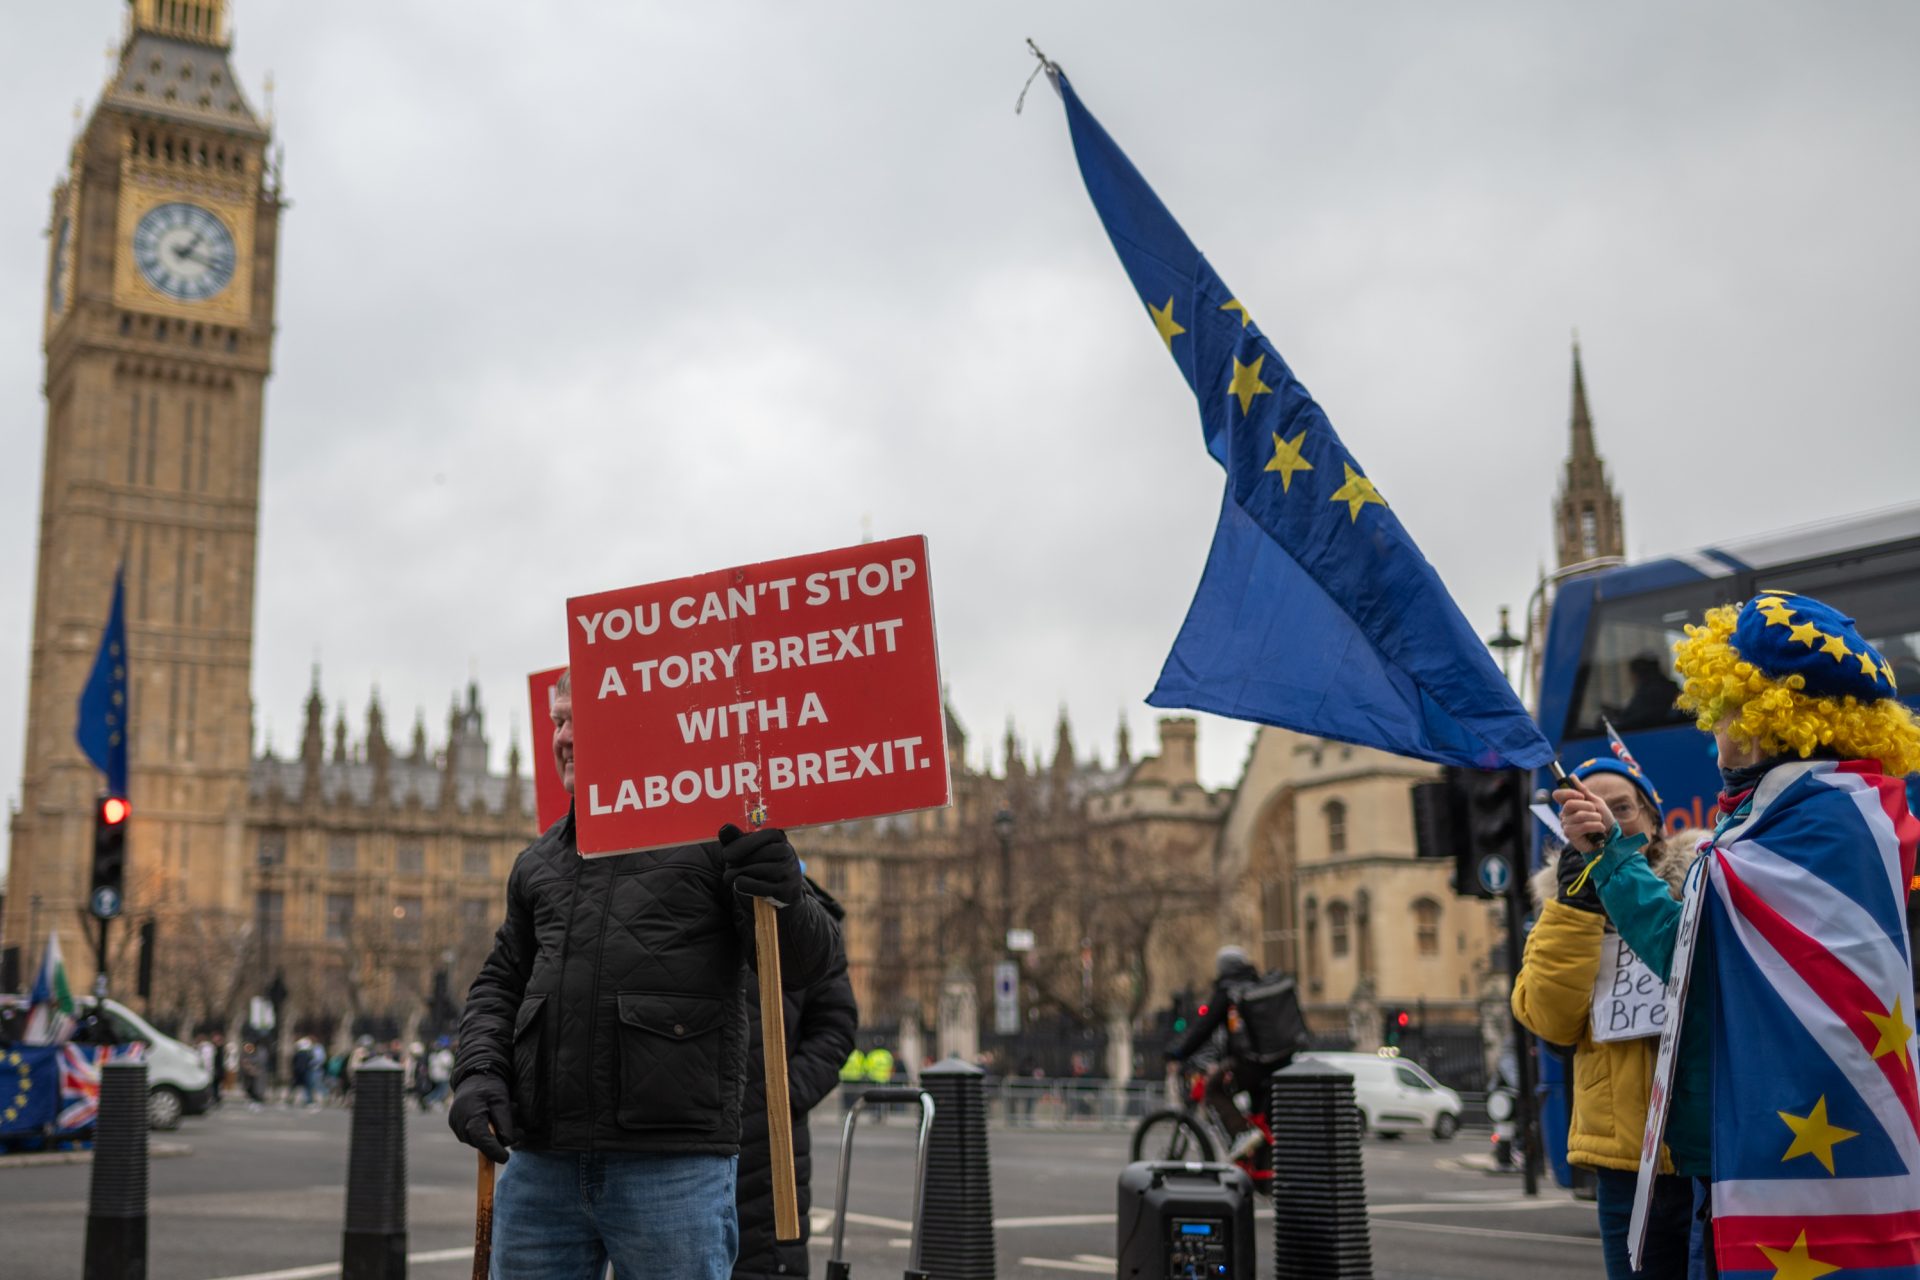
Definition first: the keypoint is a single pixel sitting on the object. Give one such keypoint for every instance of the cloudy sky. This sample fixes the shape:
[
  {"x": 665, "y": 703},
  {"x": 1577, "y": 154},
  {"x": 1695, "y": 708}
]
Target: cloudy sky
[{"x": 577, "y": 295}]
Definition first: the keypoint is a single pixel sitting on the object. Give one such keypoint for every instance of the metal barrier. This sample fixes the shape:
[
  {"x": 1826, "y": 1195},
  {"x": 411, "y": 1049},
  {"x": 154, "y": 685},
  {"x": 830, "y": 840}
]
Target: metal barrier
[{"x": 1080, "y": 1102}]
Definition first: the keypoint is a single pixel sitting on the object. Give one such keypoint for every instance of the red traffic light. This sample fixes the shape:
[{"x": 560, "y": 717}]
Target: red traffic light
[
  {"x": 114, "y": 811},
  {"x": 1203, "y": 1011},
  {"x": 1403, "y": 1018}
]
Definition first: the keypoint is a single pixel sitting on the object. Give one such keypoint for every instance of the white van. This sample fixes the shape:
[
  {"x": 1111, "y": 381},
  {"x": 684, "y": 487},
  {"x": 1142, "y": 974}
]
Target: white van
[
  {"x": 177, "y": 1084},
  {"x": 1396, "y": 1095}
]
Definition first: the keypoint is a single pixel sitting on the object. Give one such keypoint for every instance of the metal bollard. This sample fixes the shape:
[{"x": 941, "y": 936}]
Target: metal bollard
[
  {"x": 1319, "y": 1188},
  {"x": 117, "y": 1200},
  {"x": 957, "y": 1218},
  {"x": 375, "y": 1243}
]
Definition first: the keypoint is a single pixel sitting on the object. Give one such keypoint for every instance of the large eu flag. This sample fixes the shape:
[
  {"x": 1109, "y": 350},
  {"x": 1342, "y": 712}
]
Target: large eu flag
[
  {"x": 101, "y": 728},
  {"x": 1316, "y": 611}
]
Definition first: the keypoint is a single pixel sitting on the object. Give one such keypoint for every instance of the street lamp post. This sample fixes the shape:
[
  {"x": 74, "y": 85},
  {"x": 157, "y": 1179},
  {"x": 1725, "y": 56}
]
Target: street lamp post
[
  {"x": 1506, "y": 642},
  {"x": 1003, "y": 828}
]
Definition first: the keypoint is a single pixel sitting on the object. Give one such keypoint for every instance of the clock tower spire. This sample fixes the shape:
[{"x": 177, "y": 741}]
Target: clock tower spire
[{"x": 158, "y": 323}]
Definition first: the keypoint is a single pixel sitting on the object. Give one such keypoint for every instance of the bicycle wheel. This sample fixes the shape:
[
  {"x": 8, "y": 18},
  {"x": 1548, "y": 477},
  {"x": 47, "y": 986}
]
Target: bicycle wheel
[{"x": 1171, "y": 1135}]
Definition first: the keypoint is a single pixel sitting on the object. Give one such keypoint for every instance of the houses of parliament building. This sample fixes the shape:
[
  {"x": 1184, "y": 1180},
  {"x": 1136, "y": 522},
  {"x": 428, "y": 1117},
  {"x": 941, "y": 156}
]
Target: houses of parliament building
[{"x": 361, "y": 867}]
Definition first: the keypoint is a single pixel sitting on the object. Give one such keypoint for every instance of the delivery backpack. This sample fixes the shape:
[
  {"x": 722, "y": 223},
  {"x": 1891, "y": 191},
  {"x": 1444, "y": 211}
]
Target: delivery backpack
[{"x": 1271, "y": 1027}]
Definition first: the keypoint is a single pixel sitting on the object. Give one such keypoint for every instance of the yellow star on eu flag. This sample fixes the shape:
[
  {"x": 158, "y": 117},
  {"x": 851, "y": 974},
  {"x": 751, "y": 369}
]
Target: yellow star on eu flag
[
  {"x": 1234, "y": 304},
  {"x": 1837, "y": 647},
  {"x": 1163, "y": 321},
  {"x": 1246, "y": 383},
  {"x": 1357, "y": 492},
  {"x": 1804, "y": 633},
  {"x": 1287, "y": 459},
  {"x": 1813, "y": 1136},
  {"x": 1796, "y": 1263},
  {"x": 1894, "y": 1031}
]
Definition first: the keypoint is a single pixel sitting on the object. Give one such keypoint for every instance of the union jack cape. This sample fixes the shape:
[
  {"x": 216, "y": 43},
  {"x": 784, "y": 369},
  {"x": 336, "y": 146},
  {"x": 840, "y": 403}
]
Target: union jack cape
[{"x": 1816, "y": 1133}]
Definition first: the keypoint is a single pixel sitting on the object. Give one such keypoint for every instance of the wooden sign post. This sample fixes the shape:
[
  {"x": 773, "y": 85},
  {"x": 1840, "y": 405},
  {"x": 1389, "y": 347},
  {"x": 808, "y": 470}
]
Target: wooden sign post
[{"x": 792, "y": 692}]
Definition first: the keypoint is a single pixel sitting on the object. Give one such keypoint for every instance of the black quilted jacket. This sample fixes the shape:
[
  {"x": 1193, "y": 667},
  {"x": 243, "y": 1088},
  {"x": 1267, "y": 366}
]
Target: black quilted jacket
[
  {"x": 820, "y": 1024},
  {"x": 611, "y": 1000}
]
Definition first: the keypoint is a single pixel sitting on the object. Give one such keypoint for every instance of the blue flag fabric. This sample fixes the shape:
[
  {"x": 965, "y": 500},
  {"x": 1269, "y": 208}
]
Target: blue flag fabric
[
  {"x": 29, "y": 1089},
  {"x": 1316, "y": 611},
  {"x": 101, "y": 729}
]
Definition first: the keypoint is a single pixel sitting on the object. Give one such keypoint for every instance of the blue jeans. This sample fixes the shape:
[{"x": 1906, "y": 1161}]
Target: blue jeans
[
  {"x": 1669, "y": 1223},
  {"x": 565, "y": 1215},
  {"x": 1703, "y": 1266}
]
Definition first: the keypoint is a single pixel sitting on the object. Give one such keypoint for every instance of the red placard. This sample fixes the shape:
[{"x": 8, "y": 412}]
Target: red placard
[
  {"x": 808, "y": 688},
  {"x": 550, "y": 798}
]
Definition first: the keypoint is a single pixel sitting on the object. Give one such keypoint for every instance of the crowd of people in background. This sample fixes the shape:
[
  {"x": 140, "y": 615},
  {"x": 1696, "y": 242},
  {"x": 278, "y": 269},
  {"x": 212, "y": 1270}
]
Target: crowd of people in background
[{"x": 315, "y": 1077}]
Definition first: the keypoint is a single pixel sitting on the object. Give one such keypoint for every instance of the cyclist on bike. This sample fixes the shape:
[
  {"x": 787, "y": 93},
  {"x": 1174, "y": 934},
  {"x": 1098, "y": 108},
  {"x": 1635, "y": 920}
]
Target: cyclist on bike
[{"x": 1240, "y": 1064}]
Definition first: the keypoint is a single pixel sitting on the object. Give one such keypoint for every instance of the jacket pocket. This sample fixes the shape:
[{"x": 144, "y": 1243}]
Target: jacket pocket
[
  {"x": 529, "y": 1065},
  {"x": 669, "y": 1060}
]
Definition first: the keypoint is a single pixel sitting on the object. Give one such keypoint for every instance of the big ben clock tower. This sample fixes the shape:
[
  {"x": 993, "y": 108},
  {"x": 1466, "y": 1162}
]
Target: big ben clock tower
[{"x": 158, "y": 340}]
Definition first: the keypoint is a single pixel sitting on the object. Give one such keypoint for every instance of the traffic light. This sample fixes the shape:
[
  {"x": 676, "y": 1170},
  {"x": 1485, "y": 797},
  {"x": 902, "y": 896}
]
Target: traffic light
[
  {"x": 1397, "y": 1022},
  {"x": 1496, "y": 831},
  {"x": 107, "y": 891},
  {"x": 1179, "y": 1012},
  {"x": 1479, "y": 819}
]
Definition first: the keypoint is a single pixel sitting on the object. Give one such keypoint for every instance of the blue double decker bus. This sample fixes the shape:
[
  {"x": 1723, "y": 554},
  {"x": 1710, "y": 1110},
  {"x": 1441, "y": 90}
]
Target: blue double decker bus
[{"x": 1609, "y": 657}]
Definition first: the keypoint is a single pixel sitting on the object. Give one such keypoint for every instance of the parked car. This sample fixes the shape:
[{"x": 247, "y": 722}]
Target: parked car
[
  {"x": 1396, "y": 1095},
  {"x": 177, "y": 1085}
]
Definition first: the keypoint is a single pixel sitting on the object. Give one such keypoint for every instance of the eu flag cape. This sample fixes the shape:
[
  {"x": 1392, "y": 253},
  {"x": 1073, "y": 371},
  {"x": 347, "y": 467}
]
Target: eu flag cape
[
  {"x": 1816, "y": 1108},
  {"x": 1316, "y": 612},
  {"x": 101, "y": 726}
]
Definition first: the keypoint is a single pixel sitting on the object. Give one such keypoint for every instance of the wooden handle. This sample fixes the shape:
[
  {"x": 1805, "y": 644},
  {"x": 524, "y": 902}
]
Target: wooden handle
[
  {"x": 773, "y": 1040},
  {"x": 483, "y": 1220}
]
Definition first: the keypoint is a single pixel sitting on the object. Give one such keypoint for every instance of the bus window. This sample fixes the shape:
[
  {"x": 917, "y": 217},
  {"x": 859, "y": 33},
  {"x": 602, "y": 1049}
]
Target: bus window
[
  {"x": 1882, "y": 594},
  {"x": 1626, "y": 674}
]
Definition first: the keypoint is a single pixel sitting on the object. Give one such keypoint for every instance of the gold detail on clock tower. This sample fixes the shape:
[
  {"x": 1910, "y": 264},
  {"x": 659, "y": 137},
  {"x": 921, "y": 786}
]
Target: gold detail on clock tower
[{"x": 204, "y": 21}]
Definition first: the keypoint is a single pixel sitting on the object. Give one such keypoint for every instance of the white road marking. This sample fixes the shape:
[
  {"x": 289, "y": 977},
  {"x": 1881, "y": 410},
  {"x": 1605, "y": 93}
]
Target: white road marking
[
  {"x": 1064, "y": 1264},
  {"x": 1057, "y": 1220}
]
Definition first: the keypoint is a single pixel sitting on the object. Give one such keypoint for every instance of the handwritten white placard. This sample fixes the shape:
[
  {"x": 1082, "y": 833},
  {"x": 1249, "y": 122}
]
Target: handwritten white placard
[{"x": 1629, "y": 1002}]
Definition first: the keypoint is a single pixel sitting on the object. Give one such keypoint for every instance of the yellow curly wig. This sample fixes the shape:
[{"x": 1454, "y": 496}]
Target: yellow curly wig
[{"x": 1776, "y": 715}]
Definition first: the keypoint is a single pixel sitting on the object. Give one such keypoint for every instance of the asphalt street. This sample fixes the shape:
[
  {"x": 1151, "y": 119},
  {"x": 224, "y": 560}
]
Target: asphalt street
[{"x": 261, "y": 1197}]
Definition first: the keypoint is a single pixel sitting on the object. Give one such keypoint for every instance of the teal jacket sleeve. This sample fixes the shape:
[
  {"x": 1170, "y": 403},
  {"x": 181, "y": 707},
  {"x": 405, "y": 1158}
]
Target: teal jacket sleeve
[{"x": 1638, "y": 902}]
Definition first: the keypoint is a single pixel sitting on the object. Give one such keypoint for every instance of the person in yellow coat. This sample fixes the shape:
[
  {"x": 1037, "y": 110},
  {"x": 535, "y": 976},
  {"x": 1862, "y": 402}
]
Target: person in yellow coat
[{"x": 1554, "y": 997}]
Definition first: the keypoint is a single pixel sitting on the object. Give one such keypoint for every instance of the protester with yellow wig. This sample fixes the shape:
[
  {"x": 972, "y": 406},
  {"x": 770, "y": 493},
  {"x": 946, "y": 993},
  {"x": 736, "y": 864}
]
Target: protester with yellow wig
[{"x": 1795, "y": 1044}]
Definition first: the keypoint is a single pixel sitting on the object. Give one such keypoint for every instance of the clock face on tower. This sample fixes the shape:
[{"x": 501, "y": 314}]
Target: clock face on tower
[{"x": 184, "y": 251}]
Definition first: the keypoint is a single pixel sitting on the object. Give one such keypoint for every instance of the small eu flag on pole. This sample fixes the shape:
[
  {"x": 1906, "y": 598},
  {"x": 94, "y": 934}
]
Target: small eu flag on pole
[
  {"x": 1316, "y": 611},
  {"x": 101, "y": 729}
]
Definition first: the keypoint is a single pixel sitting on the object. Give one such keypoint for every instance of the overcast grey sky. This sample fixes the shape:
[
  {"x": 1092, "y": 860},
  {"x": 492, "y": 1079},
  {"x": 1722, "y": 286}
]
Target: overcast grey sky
[{"x": 577, "y": 295}]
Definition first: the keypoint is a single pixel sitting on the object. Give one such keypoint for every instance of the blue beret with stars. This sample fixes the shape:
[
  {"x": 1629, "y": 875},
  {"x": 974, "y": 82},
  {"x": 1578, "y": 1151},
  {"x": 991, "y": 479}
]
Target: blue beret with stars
[
  {"x": 1607, "y": 764},
  {"x": 1783, "y": 634}
]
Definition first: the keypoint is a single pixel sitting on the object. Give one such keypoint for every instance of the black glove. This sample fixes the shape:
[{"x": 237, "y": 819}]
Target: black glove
[
  {"x": 482, "y": 1116},
  {"x": 762, "y": 865},
  {"x": 1572, "y": 863}
]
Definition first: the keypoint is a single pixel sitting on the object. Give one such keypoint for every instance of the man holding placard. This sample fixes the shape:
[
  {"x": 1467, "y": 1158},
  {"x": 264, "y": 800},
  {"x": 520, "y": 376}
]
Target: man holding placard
[{"x": 605, "y": 1041}]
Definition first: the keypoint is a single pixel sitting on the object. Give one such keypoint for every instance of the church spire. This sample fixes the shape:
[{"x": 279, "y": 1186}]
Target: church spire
[
  {"x": 1587, "y": 517},
  {"x": 1582, "y": 419}
]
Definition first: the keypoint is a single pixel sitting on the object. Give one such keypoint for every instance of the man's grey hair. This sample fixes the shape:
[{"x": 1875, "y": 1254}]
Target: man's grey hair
[{"x": 562, "y": 688}]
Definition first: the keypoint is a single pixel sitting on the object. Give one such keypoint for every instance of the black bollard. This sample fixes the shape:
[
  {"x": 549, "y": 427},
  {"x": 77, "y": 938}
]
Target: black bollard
[
  {"x": 956, "y": 1227},
  {"x": 375, "y": 1245},
  {"x": 117, "y": 1202},
  {"x": 1319, "y": 1189}
]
